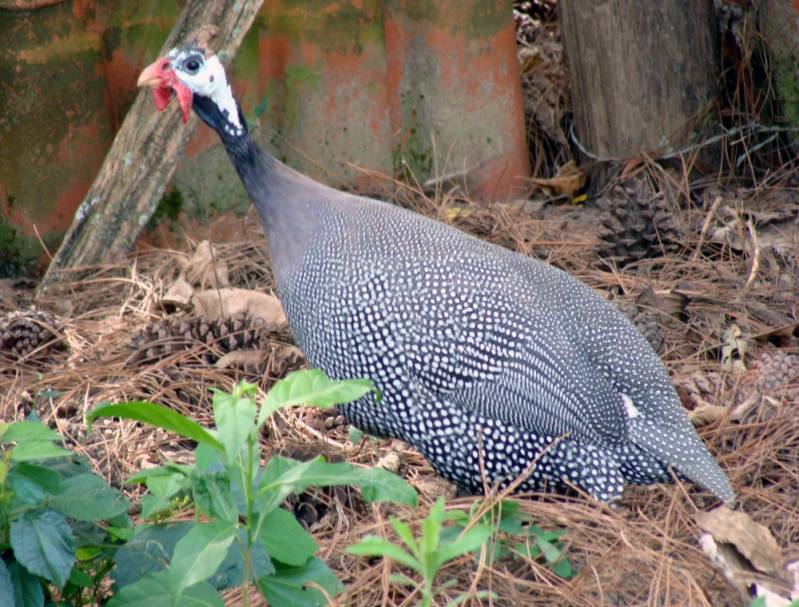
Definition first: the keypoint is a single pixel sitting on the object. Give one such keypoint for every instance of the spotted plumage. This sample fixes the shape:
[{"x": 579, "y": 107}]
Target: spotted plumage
[{"x": 490, "y": 363}]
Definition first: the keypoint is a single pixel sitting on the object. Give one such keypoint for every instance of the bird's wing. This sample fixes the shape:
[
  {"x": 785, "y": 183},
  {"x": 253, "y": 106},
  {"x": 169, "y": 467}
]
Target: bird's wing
[{"x": 499, "y": 355}]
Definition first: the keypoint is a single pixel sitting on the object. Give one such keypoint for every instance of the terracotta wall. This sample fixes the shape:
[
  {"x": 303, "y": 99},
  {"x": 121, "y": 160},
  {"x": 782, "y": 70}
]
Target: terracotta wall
[{"x": 398, "y": 86}]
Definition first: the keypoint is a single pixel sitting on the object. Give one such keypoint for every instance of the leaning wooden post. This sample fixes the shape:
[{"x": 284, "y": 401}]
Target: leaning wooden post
[{"x": 146, "y": 149}]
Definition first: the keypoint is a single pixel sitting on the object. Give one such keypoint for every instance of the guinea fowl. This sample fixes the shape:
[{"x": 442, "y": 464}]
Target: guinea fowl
[{"x": 490, "y": 363}]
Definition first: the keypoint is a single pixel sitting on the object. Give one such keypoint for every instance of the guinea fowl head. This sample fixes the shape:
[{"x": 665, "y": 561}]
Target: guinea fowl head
[{"x": 197, "y": 78}]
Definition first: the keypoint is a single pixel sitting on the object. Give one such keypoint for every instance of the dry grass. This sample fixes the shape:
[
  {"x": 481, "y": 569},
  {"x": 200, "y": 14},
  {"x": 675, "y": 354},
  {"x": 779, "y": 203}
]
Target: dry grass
[{"x": 643, "y": 552}]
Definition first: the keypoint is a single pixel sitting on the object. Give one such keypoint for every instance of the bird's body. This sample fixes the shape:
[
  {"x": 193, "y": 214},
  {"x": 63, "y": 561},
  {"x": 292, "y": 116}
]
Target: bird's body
[{"x": 492, "y": 364}]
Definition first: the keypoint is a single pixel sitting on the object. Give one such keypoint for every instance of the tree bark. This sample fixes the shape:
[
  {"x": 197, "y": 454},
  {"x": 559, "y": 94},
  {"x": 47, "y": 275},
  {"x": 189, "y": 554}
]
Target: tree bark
[
  {"x": 144, "y": 154},
  {"x": 641, "y": 73}
]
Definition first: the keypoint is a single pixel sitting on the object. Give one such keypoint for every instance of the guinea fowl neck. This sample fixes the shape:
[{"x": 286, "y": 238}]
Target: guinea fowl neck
[{"x": 283, "y": 197}]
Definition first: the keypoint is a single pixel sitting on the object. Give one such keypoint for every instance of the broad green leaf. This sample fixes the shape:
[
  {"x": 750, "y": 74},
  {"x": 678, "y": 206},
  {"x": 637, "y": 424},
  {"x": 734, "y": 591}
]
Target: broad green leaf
[
  {"x": 28, "y": 590},
  {"x": 25, "y": 430},
  {"x": 168, "y": 470},
  {"x": 87, "y": 497},
  {"x": 312, "y": 387},
  {"x": 470, "y": 541},
  {"x": 43, "y": 543},
  {"x": 376, "y": 484},
  {"x": 285, "y": 539},
  {"x": 148, "y": 551},
  {"x": 285, "y": 588},
  {"x": 372, "y": 545},
  {"x": 154, "y": 591},
  {"x": 214, "y": 497},
  {"x": 36, "y": 450},
  {"x": 80, "y": 578},
  {"x": 199, "y": 553},
  {"x": 31, "y": 484},
  {"x": 159, "y": 416},
  {"x": 234, "y": 417},
  {"x": 7, "y": 596}
]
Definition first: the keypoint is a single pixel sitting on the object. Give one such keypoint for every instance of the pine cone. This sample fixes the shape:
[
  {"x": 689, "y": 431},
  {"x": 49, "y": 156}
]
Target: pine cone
[
  {"x": 646, "y": 323},
  {"x": 159, "y": 339},
  {"x": 30, "y": 336},
  {"x": 637, "y": 224},
  {"x": 778, "y": 374}
]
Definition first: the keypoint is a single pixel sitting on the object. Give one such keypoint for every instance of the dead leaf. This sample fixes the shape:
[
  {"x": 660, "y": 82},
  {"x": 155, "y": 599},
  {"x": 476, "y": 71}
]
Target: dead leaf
[
  {"x": 249, "y": 360},
  {"x": 734, "y": 350},
  {"x": 391, "y": 461},
  {"x": 751, "y": 540},
  {"x": 568, "y": 180},
  {"x": 204, "y": 269},
  {"x": 214, "y": 304},
  {"x": 177, "y": 297},
  {"x": 745, "y": 552},
  {"x": 706, "y": 414}
]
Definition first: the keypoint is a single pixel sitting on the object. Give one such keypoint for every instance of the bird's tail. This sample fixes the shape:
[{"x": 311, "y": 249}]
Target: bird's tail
[{"x": 679, "y": 447}]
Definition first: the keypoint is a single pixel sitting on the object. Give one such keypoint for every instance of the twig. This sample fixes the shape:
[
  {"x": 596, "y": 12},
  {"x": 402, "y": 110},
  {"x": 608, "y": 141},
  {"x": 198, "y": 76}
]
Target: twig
[{"x": 706, "y": 226}]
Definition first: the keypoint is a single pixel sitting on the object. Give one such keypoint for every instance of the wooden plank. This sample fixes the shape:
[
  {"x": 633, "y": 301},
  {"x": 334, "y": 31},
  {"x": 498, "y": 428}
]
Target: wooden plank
[{"x": 145, "y": 151}]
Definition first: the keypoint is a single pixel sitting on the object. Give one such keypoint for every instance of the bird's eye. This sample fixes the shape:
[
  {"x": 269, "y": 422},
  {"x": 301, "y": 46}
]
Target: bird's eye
[{"x": 191, "y": 66}]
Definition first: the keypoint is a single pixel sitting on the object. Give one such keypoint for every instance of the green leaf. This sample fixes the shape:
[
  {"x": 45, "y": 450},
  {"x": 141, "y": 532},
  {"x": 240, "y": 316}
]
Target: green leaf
[
  {"x": 376, "y": 484},
  {"x": 563, "y": 568},
  {"x": 285, "y": 538},
  {"x": 355, "y": 435},
  {"x": 550, "y": 551},
  {"x": 312, "y": 387},
  {"x": 148, "y": 551},
  {"x": 154, "y": 590},
  {"x": 199, "y": 553},
  {"x": 168, "y": 470},
  {"x": 214, "y": 497},
  {"x": 7, "y": 596},
  {"x": 405, "y": 534},
  {"x": 470, "y": 541},
  {"x": 285, "y": 588},
  {"x": 372, "y": 545},
  {"x": 28, "y": 590},
  {"x": 43, "y": 543},
  {"x": 87, "y": 497},
  {"x": 31, "y": 484},
  {"x": 36, "y": 450},
  {"x": 235, "y": 418},
  {"x": 431, "y": 527},
  {"x": 25, "y": 430},
  {"x": 159, "y": 416}
]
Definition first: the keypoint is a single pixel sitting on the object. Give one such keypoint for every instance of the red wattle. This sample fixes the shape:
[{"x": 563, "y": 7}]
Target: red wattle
[
  {"x": 184, "y": 98},
  {"x": 162, "y": 95}
]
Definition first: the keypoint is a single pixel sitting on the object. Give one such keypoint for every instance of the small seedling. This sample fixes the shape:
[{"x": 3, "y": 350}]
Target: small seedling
[{"x": 428, "y": 554}]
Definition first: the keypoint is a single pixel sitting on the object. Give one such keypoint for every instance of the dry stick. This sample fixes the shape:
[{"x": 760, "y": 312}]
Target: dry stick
[
  {"x": 706, "y": 226},
  {"x": 755, "y": 257},
  {"x": 145, "y": 151}
]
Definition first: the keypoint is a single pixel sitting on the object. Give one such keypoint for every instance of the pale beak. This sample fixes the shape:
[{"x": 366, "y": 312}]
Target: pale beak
[{"x": 152, "y": 75}]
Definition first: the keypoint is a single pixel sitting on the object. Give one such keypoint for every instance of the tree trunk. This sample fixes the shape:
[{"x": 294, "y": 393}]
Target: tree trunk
[
  {"x": 779, "y": 21},
  {"x": 642, "y": 73},
  {"x": 146, "y": 149}
]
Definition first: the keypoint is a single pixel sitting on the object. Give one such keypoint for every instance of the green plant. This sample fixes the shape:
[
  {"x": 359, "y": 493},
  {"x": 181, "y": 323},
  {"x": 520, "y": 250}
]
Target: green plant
[
  {"x": 515, "y": 534},
  {"x": 59, "y": 522},
  {"x": 502, "y": 527},
  {"x": 240, "y": 534},
  {"x": 428, "y": 554}
]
